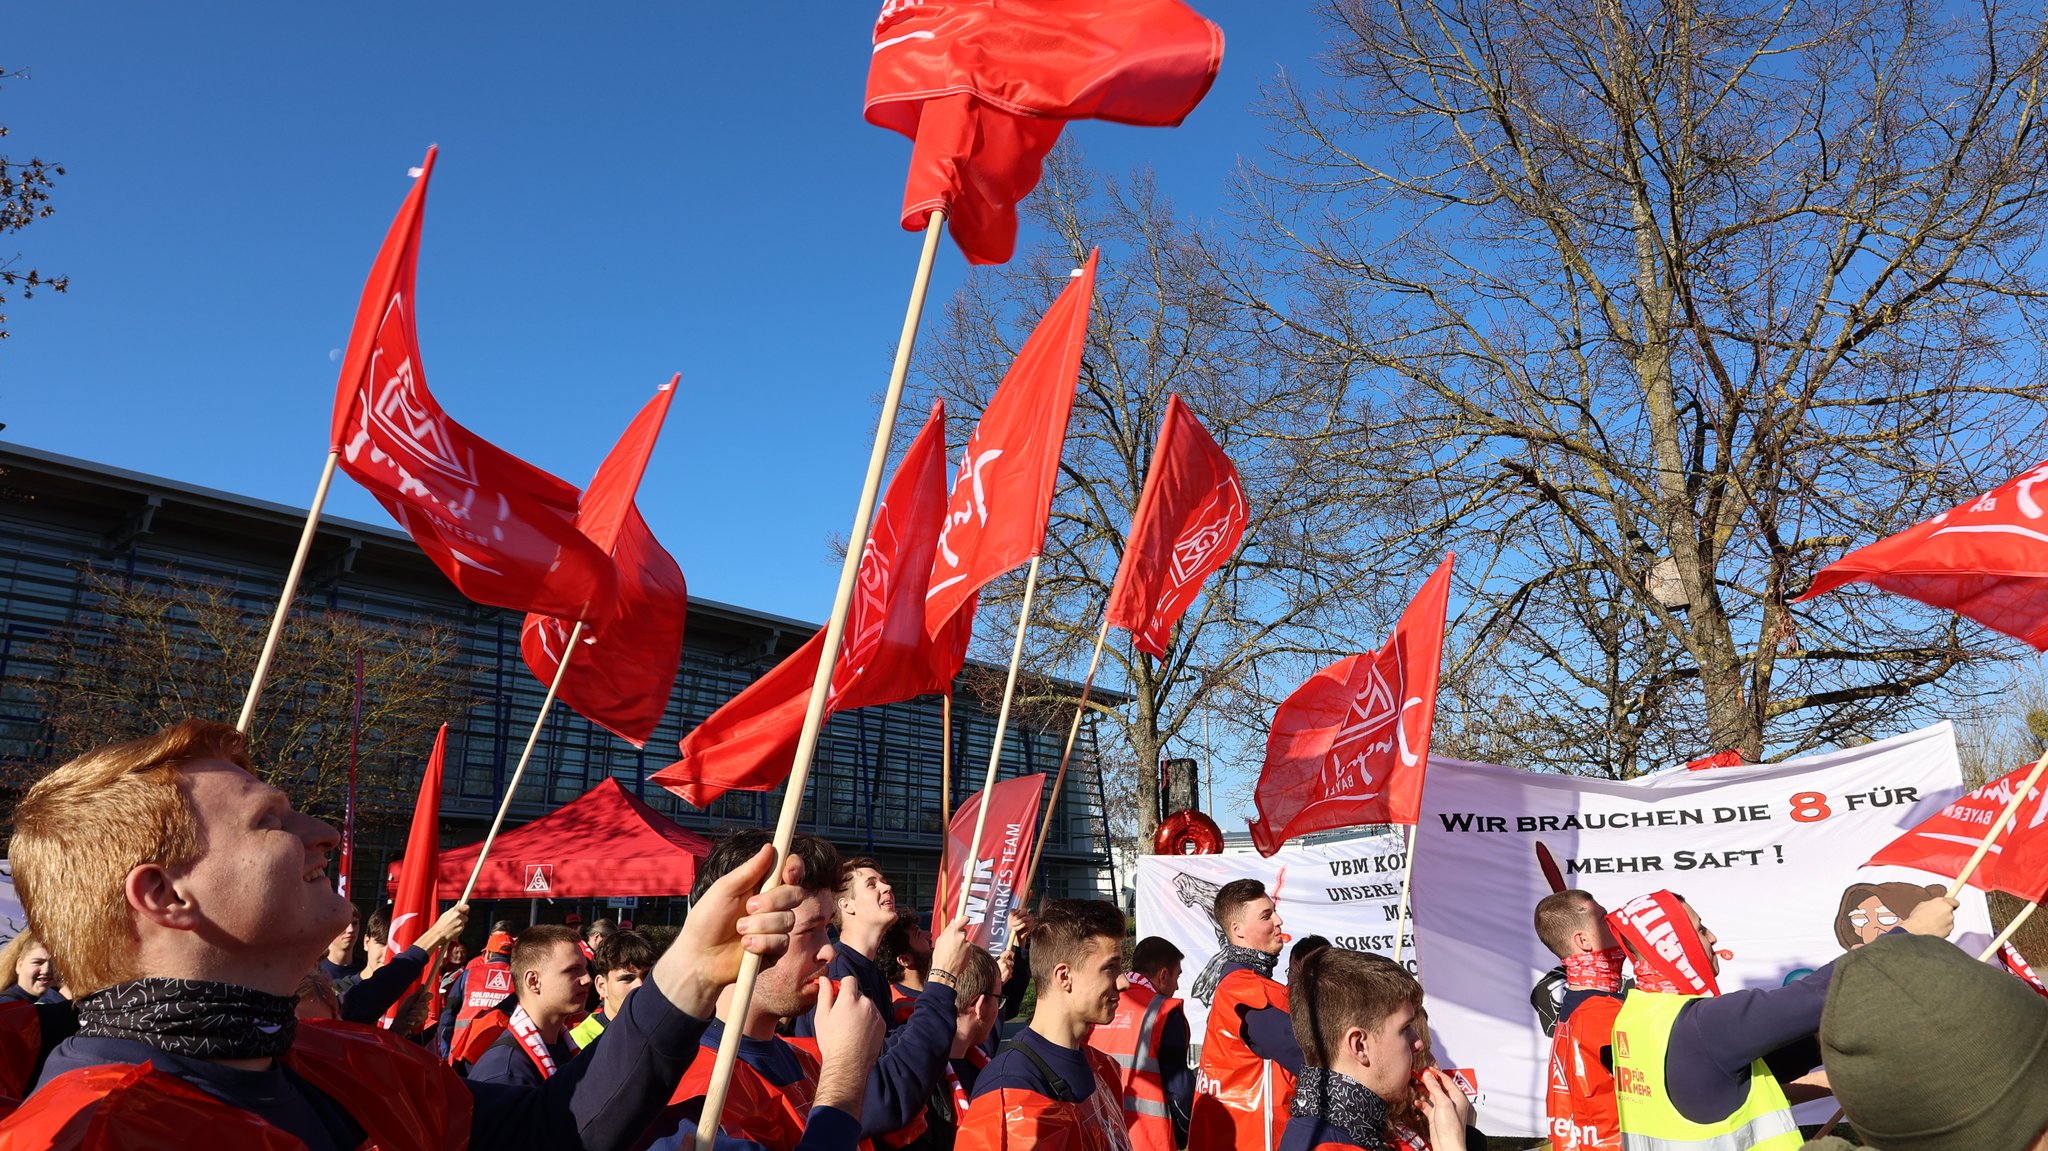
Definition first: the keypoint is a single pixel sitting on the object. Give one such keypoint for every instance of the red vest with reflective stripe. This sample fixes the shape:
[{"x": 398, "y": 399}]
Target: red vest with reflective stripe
[
  {"x": 1579, "y": 1102},
  {"x": 1004, "y": 1120},
  {"x": 1241, "y": 1101},
  {"x": 400, "y": 1095},
  {"x": 1133, "y": 1039},
  {"x": 485, "y": 984}
]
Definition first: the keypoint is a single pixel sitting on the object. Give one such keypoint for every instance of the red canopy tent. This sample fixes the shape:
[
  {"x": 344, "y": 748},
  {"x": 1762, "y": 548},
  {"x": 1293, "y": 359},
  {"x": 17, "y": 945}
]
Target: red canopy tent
[{"x": 605, "y": 842}]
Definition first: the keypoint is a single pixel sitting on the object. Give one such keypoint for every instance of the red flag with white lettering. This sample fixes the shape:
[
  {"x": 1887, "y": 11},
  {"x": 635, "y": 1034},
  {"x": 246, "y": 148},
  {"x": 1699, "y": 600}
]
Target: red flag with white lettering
[
  {"x": 1349, "y": 746},
  {"x": 983, "y": 87},
  {"x": 1986, "y": 559},
  {"x": 1002, "y": 491},
  {"x": 412, "y": 907},
  {"x": 1191, "y": 517},
  {"x": 1005, "y": 852},
  {"x": 622, "y": 678},
  {"x": 749, "y": 744},
  {"x": 499, "y": 528},
  {"x": 1941, "y": 844}
]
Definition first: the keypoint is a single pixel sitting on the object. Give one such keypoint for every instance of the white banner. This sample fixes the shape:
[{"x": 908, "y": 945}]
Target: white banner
[
  {"x": 1348, "y": 892},
  {"x": 1767, "y": 855}
]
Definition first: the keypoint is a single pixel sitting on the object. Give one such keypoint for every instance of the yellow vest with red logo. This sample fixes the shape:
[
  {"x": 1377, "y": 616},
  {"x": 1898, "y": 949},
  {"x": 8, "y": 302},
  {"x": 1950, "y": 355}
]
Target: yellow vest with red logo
[
  {"x": 1133, "y": 1039},
  {"x": 1241, "y": 1101}
]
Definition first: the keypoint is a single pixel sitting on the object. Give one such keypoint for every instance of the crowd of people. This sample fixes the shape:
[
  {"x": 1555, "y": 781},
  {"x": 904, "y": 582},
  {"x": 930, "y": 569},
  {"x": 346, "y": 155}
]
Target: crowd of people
[{"x": 190, "y": 977}]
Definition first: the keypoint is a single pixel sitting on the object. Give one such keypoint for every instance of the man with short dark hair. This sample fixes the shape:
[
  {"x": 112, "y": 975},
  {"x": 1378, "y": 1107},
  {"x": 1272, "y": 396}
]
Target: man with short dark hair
[
  {"x": 774, "y": 1078},
  {"x": 904, "y": 956},
  {"x": 1048, "y": 1090},
  {"x": 1249, "y": 1055},
  {"x": 552, "y": 982},
  {"x": 863, "y": 908},
  {"x": 1579, "y": 1102},
  {"x": 339, "y": 964},
  {"x": 1149, "y": 1041},
  {"x": 1355, "y": 1019},
  {"x": 622, "y": 962}
]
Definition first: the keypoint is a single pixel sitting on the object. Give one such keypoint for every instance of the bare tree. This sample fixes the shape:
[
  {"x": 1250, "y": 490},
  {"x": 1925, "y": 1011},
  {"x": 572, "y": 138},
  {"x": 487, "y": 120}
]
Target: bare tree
[
  {"x": 148, "y": 654},
  {"x": 24, "y": 198},
  {"x": 1661, "y": 307},
  {"x": 1304, "y": 586}
]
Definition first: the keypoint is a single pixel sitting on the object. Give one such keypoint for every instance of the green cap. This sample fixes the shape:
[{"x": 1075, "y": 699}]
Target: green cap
[{"x": 1929, "y": 1050}]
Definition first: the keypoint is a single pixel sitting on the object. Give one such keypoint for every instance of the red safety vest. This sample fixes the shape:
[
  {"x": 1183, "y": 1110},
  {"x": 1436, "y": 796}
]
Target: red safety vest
[
  {"x": 1241, "y": 1101},
  {"x": 1133, "y": 1039},
  {"x": 21, "y": 1040},
  {"x": 756, "y": 1109},
  {"x": 400, "y": 1095},
  {"x": 1002, "y": 1119},
  {"x": 1580, "y": 1099},
  {"x": 485, "y": 984}
]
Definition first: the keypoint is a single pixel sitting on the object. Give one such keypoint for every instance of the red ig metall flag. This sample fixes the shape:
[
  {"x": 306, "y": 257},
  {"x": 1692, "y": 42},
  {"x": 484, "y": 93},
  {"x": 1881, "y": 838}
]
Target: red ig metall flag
[
  {"x": 1986, "y": 559},
  {"x": 1005, "y": 851},
  {"x": 749, "y": 744},
  {"x": 983, "y": 88},
  {"x": 622, "y": 678},
  {"x": 1190, "y": 519},
  {"x": 1942, "y": 844},
  {"x": 413, "y": 907},
  {"x": 1349, "y": 746},
  {"x": 1003, "y": 489},
  {"x": 499, "y": 528}
]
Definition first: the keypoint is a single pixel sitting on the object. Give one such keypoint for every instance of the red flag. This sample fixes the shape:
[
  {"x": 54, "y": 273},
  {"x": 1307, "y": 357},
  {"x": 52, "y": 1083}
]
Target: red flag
[
  {"x": 1986, "y": 559},
  {"x": 622, "y": 678},
  {"x": 1002, "y": 492},
  {"x": 413, "y": 909},
  {"x": 1191, "y": 517},
  {"x": 1348, "y": 746},
  {"x": 497, "y": 526},
  {"x": 999, "y": 870},
  {"x": 1943, "y": 842},
  {"x": 750, "y": 743},
  {"x": 983, "y": 87}
]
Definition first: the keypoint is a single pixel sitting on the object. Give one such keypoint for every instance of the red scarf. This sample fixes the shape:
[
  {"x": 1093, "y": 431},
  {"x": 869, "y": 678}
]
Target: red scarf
[
  {"x": 1595, "y": 970},
  {"x": 1137, "y": 980},
  {"x": 527, "y": 1032},
  {"x": 979, "y": 1058},
  {"x": 1669, "y": 955}
]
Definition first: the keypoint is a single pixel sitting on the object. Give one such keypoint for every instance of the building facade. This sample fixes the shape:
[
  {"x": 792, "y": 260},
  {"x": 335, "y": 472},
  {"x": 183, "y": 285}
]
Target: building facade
[{"x": 875, "y": 784}]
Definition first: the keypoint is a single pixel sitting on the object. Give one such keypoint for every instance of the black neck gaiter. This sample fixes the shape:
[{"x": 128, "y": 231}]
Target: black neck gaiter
[{"x": 192, "y": 1018}]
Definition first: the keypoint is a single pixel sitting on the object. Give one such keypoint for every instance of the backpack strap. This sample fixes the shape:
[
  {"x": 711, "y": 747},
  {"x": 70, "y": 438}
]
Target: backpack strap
[{"x": 1060, "y": 1090}]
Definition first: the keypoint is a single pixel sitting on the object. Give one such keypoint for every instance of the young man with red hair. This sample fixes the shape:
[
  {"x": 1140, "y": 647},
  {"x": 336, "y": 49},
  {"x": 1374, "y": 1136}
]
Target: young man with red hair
[{"x": 184, "y": 899}]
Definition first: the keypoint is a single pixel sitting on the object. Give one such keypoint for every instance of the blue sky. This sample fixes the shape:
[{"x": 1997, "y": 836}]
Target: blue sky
[{"x": 623, "y": 192}]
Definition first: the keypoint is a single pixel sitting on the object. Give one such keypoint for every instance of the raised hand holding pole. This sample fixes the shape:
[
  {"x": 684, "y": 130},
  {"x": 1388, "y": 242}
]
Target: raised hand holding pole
[{"x": 821, "y": 684}]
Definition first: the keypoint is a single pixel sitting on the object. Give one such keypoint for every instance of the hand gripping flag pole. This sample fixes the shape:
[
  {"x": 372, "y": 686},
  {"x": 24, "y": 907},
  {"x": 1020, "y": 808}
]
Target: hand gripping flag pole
[
  {"x": 821, "y": 684},
  {"x": 512, "y": 785},
  {"x": 970, "y": 863},
  {"x": 291, "y": 591}
]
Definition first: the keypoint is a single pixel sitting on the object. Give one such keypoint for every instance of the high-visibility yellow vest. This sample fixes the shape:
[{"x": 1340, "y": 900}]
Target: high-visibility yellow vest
[
  {"x": 586, "y": 1032},
  {"x": 1649, "y": 1120}
]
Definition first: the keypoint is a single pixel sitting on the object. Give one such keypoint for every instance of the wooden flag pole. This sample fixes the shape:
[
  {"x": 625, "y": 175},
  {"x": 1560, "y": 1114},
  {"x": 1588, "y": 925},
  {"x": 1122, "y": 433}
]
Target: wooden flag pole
[
  {"x": 1407, "y": 874},
  {"x": 291, "y": 591},
  {"x": 971, "y": 861},
  {"x": 821, "y": 683},
  {"x": 1067, "y": 754},
  {"x": 945, "y": 790},
  {"x": 1998, "y": 825},
  {"x": 533, "y": 737},
  {"x": 2024, "y": 914}
]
